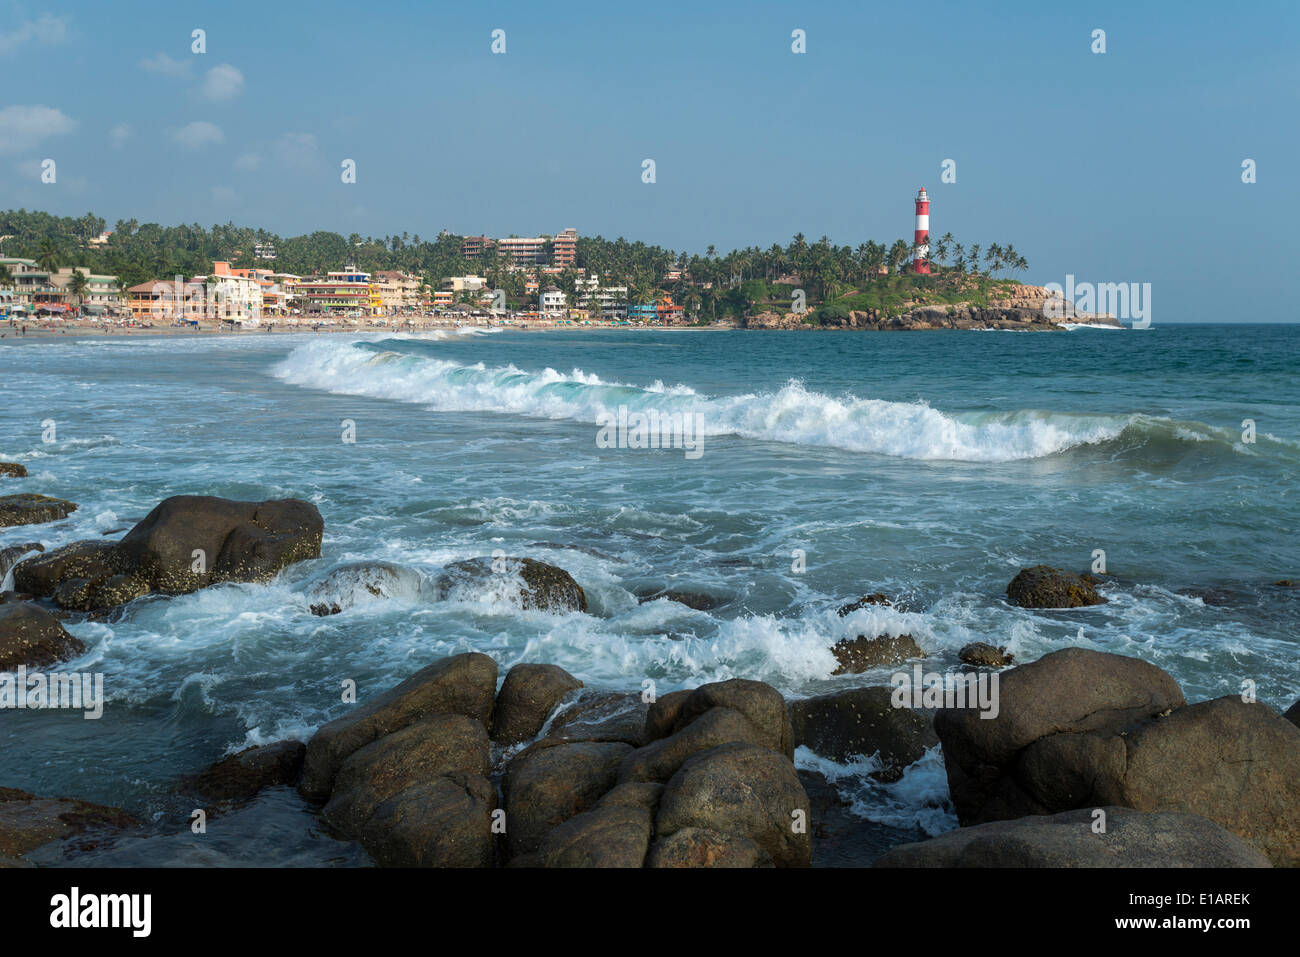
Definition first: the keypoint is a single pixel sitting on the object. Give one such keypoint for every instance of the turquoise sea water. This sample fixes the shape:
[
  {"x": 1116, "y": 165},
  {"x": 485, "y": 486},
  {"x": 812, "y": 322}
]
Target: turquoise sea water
[{"x": 930, "y": 466}]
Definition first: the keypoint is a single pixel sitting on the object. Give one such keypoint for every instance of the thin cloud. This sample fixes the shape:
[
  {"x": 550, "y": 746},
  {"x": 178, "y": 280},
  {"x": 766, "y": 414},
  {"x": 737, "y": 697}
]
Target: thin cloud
[
  {"x": 46, "y": 30},
  {"x": 249, "y": 162},
  {"x": 162, "y": 63},
  {"x": 118, "y": 135},
  {"x": 223, "y": 82},
  {"x": 24, "y": 127},
  {"x": 198, "y": 134}
]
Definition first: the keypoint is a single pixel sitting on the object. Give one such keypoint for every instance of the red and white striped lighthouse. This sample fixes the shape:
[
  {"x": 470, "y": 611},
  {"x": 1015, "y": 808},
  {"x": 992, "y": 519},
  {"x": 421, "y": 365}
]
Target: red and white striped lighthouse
[{"x": 921, "y": 264}]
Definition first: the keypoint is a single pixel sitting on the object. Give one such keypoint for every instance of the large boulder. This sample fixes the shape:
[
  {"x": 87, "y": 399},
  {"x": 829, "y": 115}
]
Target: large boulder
[
  {"x": 527, "y": 697},
  {"x": 239, "y": 777},
  {"x": 1045, "y": 587},
  {"x": 1082, "y": 729},
  {"x": 186, "y": 543},
  {"x": 31, "y": 636},
  {"x": 760, "y": 703},
  {"x": 550, "y": 782},
  {"x": 11, "y": 554},
  {"x": 27, "y": 821},
  {"x": 1131, "y": 839},
  {"x": 702, "y": 847},
  {"x": 432, "y": 747},
  {"x": 531, "y": 584},
  {"x": 601, "y": 716},
  {"x": 1293, "y": 714},
  {"x": 442, "y": 822},
  {"x": 32, "y": 509},
  {"x": 616, "y": 835},
  {"x": 462, "y": 684},
  {"x": 983, "y": 655},
  {"x": 743, "y": 790},
  {"x": 863, "y": 721},
  {"x": 12, "y": 470},
  {"x": 659, "y": 760}
]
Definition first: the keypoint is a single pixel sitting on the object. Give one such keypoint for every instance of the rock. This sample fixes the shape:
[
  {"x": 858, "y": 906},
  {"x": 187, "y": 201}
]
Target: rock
[
  {"x": 862, "y": 721},
  {"x": 702, "y": 847},
  {"x": 643, "y": 794},
  {"x": 31, "y": 509},
  {"x": 1131, "y": 839},
  {"x": 984, "y": 655},
  {"x": 527, "y": 697},
  {"x": 659, "y": 760},
  {"x": 442, "y": 822},
  {"x": 698, "y": 601},
  {"x": 546, "y": 784},
  {"x": 187, "y": 542},
  {"x": 27, "y": 821},
  {"x": 1072, "y": 690},
  {"x": 31, "y": 636},
  {"x": 876, "y": 598},
  {"x": 1293, "y": 714},
  {"x": 432, "y": 747},
  {"x": 858, "y": 654},
  {"x": 759, "y": 702},
  {"x": 602, "y": 716},
  {"x": 351, "y": 584},
  {"x": 239, "y": 777},
  {"x": 10, "y": 556},
  {"x": 607, "y": 836},
  {"x": 462, "y": 684},
  {"x": 743, "y": 790},
  {"x": 12, "y": 470},
  {"x": 1045, "y": 587},
  {"x": 535, "y": 585},
  {"x": 662, "y": 714}
]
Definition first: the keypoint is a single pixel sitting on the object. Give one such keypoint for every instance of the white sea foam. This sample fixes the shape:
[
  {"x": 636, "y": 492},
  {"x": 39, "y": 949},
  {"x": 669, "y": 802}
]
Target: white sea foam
[{"x": 793, "y": 414}]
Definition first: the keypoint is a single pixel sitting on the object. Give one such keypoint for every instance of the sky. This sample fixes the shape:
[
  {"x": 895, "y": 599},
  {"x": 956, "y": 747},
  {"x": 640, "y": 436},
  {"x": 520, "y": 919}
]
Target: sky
[{"x": 1122, "y": 166}]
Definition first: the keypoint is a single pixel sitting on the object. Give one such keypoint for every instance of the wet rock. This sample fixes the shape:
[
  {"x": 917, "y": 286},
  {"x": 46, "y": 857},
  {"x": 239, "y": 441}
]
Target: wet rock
[
  {"x": 1068, "y": 691},
  {"x": 1045, "y": 587},
  {"x": 696, "y": 600},
  {"x": 28, "y": 822},
  {"x": 858, "y": 654},
  {"x": 527, "y": 697},
  {"x": 31, "y": 636},
  {"x": 10, "y": 555},
  {"x": 602, "y": 716},
  {"x": 642, "y": 794},
  {"x": 430, "y": 748},
  {"x": 239, "y": 777},
  {"x": 1293, "y": 714},
  {"x": 659, "y": 760},
  {"x": 743, "y": 790},
  {"x": 548, "y": 783},
  {"x": 187, "y": 542},
  {"x": 12, "y": 470},
  {"x": 876, "y": 598},
  {"x": 760, "y": 703},
  {"x": 662, "y": 715},
  {"x": 863, "y": 721},
  {"x": 32, "y": 509},
  {"x": 703, "y": 847},
  {"x": 462, "y": 684},
  {"x": 352, "y": 584},
  {"x": 1131, "y": 839},
  {"x": 985, "y": 655},
  {"x": 535, "y": 585},
  {"x": 442, "y": 822},
  {"x": 606, "y": 836}
]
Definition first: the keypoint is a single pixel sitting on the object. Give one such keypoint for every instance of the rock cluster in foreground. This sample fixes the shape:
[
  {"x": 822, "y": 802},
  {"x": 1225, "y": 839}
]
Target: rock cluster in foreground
[{"x": 706, "y": 779}]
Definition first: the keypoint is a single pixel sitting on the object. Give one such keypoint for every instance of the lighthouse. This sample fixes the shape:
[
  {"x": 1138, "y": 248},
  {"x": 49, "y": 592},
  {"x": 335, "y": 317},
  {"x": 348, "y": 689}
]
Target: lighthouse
[{"x": 922, "y": 240}]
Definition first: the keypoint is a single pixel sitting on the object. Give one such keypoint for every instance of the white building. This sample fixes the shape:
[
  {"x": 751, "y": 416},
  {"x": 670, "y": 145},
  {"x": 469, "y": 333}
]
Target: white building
[{"x": 553, "y": 301}]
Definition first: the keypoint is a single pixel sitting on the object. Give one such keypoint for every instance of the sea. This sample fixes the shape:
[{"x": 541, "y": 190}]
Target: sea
[{"x": 776, "y": 476}]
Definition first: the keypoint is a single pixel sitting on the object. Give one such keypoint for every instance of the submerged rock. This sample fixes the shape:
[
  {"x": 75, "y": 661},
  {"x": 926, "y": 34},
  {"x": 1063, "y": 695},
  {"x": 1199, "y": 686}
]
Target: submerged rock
[
  {"x": 876, "y": 598},
  {"x": 856, "y": 655},
  {"x": 1045, "y": 587},
  {"x": 348, "y": 585},
  {"x": 28, "y": 822},
  {"x": 695, "y": 600},
  {"x": 1131, "y": 839},
  {"x": 186, "y": 543},
  {"x": 31, "y": 636},
  {"x": 12, "y": 470},
  {"x": 239, "y": 777},
  {"x": 981, "y": 654},
  {"x": 32, "y": 509},
  {"x": 532, "y": 584}
]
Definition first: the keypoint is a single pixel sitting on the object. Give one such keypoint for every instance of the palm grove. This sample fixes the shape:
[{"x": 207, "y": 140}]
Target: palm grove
[{"x": 710, "y": 286}]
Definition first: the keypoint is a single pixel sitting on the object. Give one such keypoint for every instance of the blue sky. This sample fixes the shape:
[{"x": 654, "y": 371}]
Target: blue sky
[{"x": 1116, "y": 167}]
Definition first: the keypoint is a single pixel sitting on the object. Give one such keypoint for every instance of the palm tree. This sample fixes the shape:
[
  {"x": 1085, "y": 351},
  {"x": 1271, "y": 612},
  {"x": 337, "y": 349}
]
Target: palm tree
[
  {"x": 975, "y": 259},
  {"x": 6, "y": 277},
  {"x": 78, "y": 285},
  {"x": 47, "y": 255}
]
